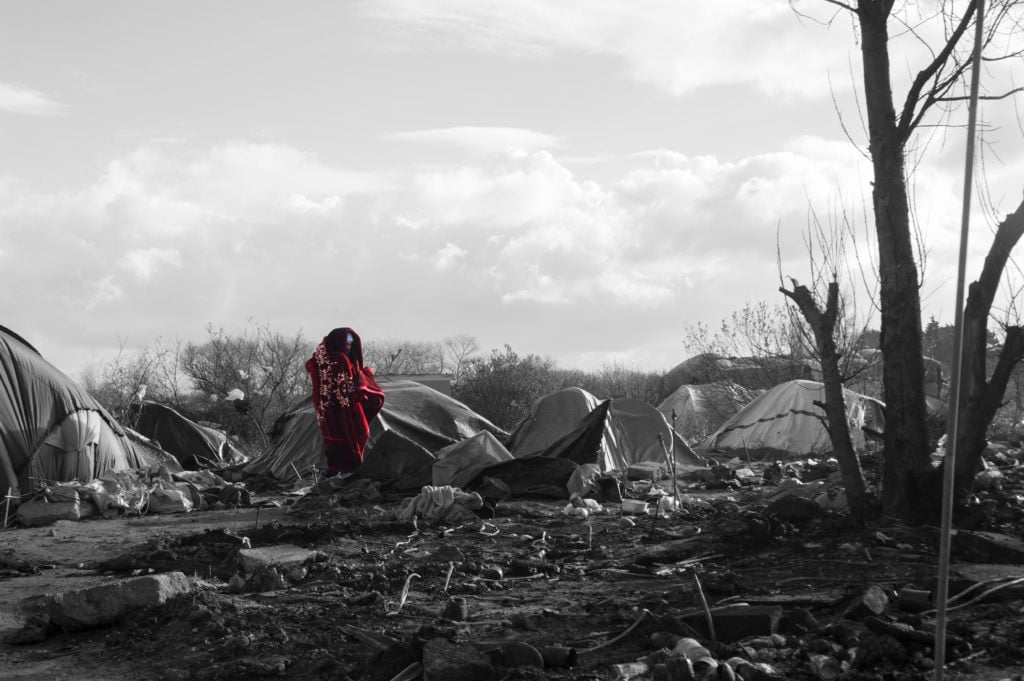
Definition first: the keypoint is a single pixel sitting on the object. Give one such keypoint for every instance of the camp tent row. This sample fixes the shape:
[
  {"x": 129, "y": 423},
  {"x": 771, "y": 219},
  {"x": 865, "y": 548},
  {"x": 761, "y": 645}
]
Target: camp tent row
[
  {"x": 52, "y": 430},
  {"x": 423, "y": 437}
]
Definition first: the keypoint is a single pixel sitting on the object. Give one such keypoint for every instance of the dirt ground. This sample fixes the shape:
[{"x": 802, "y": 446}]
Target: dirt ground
[{"x": 604, "y": 596}]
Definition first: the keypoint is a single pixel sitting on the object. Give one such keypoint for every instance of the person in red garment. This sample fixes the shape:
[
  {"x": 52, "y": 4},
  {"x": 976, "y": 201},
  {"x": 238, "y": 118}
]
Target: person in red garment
[{"x": 346, "y": 397}]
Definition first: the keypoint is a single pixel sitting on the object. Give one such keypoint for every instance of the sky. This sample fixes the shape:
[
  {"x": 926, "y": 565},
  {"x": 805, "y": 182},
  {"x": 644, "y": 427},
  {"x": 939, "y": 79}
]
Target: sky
[{"x": 581, "y": 180}]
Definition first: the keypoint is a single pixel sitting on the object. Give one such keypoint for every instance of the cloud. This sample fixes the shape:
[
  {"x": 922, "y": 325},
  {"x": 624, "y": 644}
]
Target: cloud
[
  {"x": 664, "y": 43},
  {"x": 169, "y": 239},
  {"x": 482, "y": 139},
  {"x": 26, "y": 101},
  {"x": 146, "y": 262}
]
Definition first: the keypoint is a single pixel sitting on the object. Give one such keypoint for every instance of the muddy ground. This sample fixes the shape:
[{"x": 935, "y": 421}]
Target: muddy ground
[{"x": 606, "y": 596}]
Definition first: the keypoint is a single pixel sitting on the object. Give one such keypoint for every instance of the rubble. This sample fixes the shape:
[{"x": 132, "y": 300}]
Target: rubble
[{"x": 753, "y": 579}]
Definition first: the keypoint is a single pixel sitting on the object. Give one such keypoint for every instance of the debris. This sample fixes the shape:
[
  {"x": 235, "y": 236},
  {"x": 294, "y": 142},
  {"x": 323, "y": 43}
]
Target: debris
[
  {"x": 444, "y": 660},
  {"x": 873, "y": 601},
  {"x": 735, "y": 622},
  {"x": 59, "y": 503}
]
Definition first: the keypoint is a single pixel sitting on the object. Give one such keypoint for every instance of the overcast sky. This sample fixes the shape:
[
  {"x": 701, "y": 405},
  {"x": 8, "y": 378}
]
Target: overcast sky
[{"x": 577, "y": 179}]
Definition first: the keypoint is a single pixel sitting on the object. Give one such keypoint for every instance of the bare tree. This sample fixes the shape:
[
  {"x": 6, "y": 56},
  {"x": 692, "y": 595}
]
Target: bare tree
[
  {"x": 836, "y": 335},
  {"x": 388, "y": 356},
  {"x": 458, "y": 352},
  {"x": 937, "y": 86},
  {"x": 266, "y": 367}
]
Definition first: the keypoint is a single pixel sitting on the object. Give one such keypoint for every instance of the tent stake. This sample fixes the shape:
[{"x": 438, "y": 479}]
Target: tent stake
[
  {"x": 7, "y": 505},
  {"x": 675, "y": 487}
]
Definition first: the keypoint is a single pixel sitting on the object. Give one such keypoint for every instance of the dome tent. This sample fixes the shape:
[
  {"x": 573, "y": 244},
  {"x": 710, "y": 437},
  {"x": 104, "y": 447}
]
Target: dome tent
[
  {"x": 788, "y": 420},
  {"x": 51, "y": 429},
  {"x": 572, "y": 423}
]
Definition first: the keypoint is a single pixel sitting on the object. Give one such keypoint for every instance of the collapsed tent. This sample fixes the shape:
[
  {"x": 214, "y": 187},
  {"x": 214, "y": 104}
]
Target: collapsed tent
[
  {"x": 613, "y": 434},
  {"x": 788, "y": 420},
  {"x": 755, "y": 373},
  {"x": 414, "y": 424},
  {"x": 194, "y": 445},
  {"x": 51, "y": 429},
  {"x": 696, "y": 411}
]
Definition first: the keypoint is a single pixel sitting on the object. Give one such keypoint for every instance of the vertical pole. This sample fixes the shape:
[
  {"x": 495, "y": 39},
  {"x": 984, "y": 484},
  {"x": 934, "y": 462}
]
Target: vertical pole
[{"x": 949, "y": 462}]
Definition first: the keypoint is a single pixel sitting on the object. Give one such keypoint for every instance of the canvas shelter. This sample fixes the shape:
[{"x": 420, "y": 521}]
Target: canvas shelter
[
  {"x": 755, "y": 373},
  {"x": 786, "y": 420},
  {"x": 194, "y": 445},
  {"x": 414, "y": 424},
  {"x": 696, "y": 411},
  {"x": 51, "y": 429},
  {"x": 572, "y": 423},
  {"x": 458, "y": 464}
]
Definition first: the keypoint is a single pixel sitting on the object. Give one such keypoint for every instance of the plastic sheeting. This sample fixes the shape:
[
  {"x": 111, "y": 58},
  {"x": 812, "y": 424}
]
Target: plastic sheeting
[
  {"x": 424, "y": 420},
  {"x": 614, "y": 434},
  {"x": 38, "y": 442},
  {"x": 786, "y": 419},
  {"x": 195, "y": 446},
  {"x": 459, "y": 463}
]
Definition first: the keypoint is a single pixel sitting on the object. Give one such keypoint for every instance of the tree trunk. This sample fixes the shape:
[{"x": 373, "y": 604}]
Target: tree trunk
[
  {"x": 907, "y": 458},
  {"x": 823, "y": 323},
  {"x": 981, "y": 397}
]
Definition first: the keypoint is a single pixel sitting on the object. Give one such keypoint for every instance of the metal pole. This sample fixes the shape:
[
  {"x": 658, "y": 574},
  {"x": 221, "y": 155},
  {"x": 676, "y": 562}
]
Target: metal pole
[{"x": 949, "y": 462}]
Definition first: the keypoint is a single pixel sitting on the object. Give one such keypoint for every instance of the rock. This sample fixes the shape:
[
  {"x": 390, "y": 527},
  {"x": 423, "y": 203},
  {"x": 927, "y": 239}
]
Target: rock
[
  {"x": 105, "y": 603},
  {"x": 794, "y": 509},
  {"x": 872, "y": 602},
  {"x": 282, "y": 556},
  {"x": 990, "y": 546},
  {"x": 444, "y": 660}
]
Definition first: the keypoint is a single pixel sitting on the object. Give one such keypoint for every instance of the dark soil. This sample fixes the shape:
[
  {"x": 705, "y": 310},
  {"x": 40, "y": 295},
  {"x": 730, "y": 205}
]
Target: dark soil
[{"x": 603, "y": 597}]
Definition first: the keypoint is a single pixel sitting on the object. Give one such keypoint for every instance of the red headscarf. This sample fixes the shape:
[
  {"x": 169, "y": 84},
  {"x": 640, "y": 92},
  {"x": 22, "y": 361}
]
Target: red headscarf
[{"x": 346, "y": 397}]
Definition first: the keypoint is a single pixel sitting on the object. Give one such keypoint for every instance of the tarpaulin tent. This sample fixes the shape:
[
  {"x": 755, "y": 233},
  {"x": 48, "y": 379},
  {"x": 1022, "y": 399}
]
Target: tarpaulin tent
[
  {"x": 786, "y": 419},
  {"x": 696, "y": 411},
  {"x": 194, "y": 445},
  {"x": 757, "y": 373},
  {"x": 51, "y": 429},
  {"x": 416, "y": 421},
  {"x": 572, "y": 423},
  {"x": 458, "y": 464}
]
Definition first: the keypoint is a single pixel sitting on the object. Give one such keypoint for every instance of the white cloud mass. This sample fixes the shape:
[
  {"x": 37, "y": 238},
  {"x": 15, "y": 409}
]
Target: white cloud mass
[{"x": 26, "y": 101}]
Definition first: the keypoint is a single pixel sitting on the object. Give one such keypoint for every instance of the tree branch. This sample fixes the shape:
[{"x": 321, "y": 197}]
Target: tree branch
[{"x": 908, "y": 120}]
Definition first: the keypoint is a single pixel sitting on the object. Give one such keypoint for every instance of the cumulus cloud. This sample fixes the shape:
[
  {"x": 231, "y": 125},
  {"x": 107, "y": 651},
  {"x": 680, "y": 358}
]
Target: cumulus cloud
[
  {"x": 26, "y": 101},
  {"x": 514, "y": 238},
  {"x": 482, "y": 138}
]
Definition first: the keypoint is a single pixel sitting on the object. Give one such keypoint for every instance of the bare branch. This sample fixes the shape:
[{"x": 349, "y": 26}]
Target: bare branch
[{"x": 908, "y": 119}]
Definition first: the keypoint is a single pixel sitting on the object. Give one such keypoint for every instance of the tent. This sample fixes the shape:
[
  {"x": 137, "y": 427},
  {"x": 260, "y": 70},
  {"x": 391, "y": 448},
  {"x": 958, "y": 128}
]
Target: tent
[
  {"x": 786, "y": 420},
  {"x": 572, "y": 423},
  {"x": 696, "y": 411},
  {"x": 194, "y": 445},
  {"x": 414, "y": 424},
  {"x": 51, "y": 429},
  {"x": 751, "y": 372}
]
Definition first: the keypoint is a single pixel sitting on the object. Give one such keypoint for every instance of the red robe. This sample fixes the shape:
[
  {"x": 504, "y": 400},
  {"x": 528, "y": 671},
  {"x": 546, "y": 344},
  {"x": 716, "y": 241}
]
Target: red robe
[{"x": 346, "y": 397}]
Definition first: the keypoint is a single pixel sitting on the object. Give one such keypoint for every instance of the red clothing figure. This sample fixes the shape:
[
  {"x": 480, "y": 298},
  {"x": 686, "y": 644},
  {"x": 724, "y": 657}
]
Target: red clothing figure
[{"x": 346, "y": 397}]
